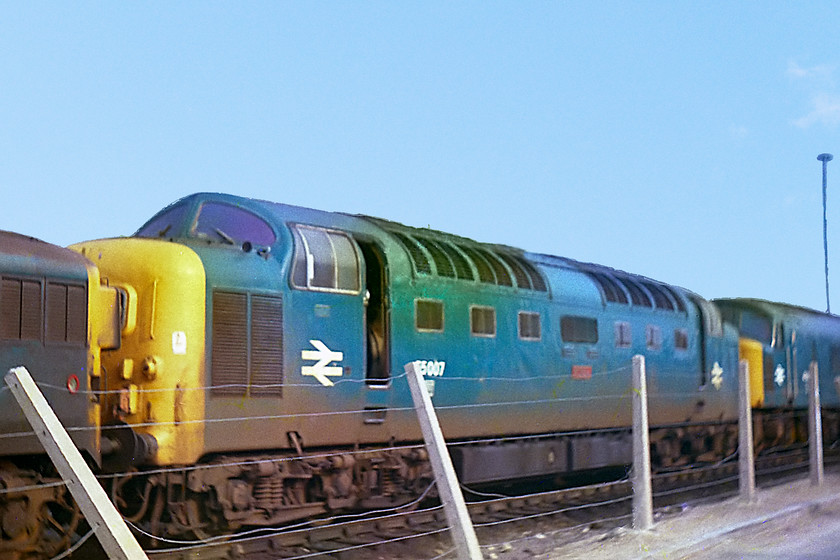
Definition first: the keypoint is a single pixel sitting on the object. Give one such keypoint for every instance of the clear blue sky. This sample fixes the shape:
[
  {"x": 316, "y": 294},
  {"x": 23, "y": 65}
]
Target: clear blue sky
[{"x": 673, "y": 139}]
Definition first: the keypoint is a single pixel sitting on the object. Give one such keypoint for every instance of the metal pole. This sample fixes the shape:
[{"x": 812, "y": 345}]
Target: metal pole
[
  {"x": 825, "y": 158},
  {"x": 746, "y": 463},
  {"x": 642, "y": 492}
]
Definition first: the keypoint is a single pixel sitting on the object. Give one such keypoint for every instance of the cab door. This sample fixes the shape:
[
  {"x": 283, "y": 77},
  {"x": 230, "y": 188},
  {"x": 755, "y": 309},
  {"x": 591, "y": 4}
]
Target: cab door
[
  {"x": 326, "y": 312},
  {"x": 377, "y": 330}
]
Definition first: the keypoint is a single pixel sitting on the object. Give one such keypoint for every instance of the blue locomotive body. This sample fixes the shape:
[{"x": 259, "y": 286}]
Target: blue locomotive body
[{"x": 513, "y": 343}]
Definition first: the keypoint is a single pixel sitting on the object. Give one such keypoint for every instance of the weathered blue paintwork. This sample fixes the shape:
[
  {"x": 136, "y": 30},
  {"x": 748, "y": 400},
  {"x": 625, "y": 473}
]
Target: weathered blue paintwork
[{"x": 511, "y": 385}]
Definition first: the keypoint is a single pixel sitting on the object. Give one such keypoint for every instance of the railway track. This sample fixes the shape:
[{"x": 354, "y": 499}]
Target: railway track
[{"x": 498, "y": 519}]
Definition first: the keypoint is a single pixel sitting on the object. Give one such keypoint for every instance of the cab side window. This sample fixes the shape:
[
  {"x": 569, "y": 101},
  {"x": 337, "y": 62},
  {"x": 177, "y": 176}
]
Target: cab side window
[{"x": 325, "y": 260}]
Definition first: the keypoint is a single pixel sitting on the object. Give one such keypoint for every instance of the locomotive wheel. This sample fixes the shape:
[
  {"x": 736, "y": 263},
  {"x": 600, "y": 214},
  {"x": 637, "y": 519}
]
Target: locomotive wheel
[{"x": 60, "y": 520}]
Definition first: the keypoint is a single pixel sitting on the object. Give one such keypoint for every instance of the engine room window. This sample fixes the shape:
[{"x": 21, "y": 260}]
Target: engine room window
[
  {"x": 579, "y": 329},
  {"x": 482, "y": 321},
  {"x": 653, "y": 337},
  {"x": 325, "y": 261},
  {"x": 623, "y": 335},
  {"x": 529, "y": 326},
  {"x": 232, "y": 225},
  {"x": 681, "y": 339},
  {"x": 428, "y": 315}
]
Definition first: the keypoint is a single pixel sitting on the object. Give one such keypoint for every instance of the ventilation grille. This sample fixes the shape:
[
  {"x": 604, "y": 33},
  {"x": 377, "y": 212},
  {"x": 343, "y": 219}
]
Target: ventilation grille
[
  {"x": 230, "y": 344},
  {"x": 55, "y": 317},
  {"x": 472, "y": 263},
  {"x": 621, "y": 288},
  {"x": 247, "y": 353},
  {"x": 266, "y": 345}
]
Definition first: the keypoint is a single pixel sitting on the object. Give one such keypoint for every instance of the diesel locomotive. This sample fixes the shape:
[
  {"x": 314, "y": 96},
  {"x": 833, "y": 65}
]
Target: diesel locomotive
[
  {"x": 244, "y": 365},
  {"x": 265, "y": 346},
  {"x": 56, "y": 318}
]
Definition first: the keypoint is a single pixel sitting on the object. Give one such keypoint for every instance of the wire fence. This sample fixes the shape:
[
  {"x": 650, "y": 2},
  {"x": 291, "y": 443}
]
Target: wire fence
[{"x": 341, "y": 520}]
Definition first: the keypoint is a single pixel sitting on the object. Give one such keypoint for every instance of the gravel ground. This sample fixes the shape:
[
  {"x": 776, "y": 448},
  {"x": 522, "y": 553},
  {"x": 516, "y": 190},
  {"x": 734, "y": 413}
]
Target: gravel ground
[
  {"x": 792, "y": 520},
  {"x": 792, "y": 516}
]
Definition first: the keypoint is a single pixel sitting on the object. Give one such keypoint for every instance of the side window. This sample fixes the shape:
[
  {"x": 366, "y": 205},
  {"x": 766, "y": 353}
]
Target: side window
[
  {"x": 623, "y": 335},
  {"x": 231, "y": 224},
  {"x": 482, "y": 321},
  {"x": 653, "y": 337},
  {"x": 681, "y": 339},
  {"x": 428, "y": 315},
  {"x": 778, "y": 335},
  {"x": 529, "y": 326},
  {"x": 325, "y": 261},
  {"x": 579, "y": 329}
]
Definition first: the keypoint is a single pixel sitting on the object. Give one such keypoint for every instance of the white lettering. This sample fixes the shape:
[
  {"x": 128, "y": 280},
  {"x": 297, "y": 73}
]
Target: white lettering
[{"x": 430, "y": 368}]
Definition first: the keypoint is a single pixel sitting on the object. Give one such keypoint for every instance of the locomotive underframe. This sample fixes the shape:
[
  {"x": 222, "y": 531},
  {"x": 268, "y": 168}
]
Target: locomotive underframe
[{"x": 230, "y": 492}]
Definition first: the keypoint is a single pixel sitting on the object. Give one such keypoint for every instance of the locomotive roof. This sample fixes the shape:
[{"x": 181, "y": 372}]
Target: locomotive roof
[
  {"x": 773, "y": 306},
  {"x": 33, "y": 256},
  {"x": 436, "y": 253}
]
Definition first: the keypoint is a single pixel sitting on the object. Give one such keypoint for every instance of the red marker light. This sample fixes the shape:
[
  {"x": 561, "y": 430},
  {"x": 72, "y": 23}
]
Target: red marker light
[{"x": 73, "y": 384}]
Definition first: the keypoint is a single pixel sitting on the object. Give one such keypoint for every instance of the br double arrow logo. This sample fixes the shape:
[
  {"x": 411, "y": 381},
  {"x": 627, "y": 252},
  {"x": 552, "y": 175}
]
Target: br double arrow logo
[{"x": 322, "y": 370}]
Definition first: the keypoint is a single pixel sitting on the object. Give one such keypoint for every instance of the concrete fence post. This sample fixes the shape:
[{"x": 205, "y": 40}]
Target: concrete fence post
[
  {"x": 815, "y": 439},
  {"x": 100, "y": 513},
  {"x": 460, "y": 524},
  {"x": 642, "y": 492},
  {"x": 746, "y": 462}
]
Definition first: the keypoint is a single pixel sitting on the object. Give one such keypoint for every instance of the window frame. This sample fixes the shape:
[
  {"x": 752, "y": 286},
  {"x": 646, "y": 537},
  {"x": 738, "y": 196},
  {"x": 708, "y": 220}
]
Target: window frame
[
  {"x": 436, "y": 302},
  {"x": 572, "y": 322},
  {"x": 653, "y": 337},
  {"x": 227, "y": 237},
  {"x": 533, "y": 315},
  {"x": 681, "y": 334},
  {"x": 169, "y": 222},
  {"x": 307, "y": 260},
  {"x": 623, "y": 333},
  {"x": 473, "y": 321}
]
